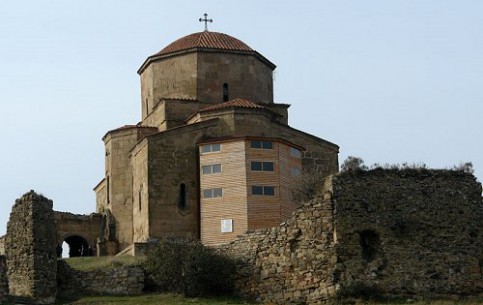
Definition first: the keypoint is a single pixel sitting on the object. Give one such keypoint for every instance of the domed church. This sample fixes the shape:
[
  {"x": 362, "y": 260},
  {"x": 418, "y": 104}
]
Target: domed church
[{"x": 212, "y": 157}]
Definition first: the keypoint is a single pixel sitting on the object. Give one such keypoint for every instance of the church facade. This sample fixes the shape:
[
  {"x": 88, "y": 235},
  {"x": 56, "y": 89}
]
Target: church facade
[{"x": 212, "y": 157}]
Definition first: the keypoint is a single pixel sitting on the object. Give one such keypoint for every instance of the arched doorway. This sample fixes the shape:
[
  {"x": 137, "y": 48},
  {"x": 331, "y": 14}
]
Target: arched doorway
[{"x": 78, "y": 246}]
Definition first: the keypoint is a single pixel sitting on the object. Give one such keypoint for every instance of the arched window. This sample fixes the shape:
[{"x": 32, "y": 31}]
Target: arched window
[
  {"x": 370, "y": 244},
  {"x": 182, "y": 196},
  {"x": 225, "y": 92}
]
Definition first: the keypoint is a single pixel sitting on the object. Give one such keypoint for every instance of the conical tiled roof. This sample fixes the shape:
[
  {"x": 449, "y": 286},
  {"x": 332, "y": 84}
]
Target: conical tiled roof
[{"x": 206, "y": 39}]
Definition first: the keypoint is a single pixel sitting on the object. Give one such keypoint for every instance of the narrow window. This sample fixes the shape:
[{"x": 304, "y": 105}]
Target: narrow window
[
  {"x": 182, "y": 196},
  {"x": 108, "y": 190},
  {"x": 140, "y": 197},
  {"x": 147, "y": 107},
  {"x": 294, "y": 152},
  {"x": 225, "y": 92}
]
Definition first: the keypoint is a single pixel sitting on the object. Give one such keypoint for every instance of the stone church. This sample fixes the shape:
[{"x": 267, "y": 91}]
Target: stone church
[{"x": 213, "y": 155}]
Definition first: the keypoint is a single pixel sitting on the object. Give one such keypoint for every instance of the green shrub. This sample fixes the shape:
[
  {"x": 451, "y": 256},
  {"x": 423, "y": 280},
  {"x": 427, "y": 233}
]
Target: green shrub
[{"x": 190, "y": 268}]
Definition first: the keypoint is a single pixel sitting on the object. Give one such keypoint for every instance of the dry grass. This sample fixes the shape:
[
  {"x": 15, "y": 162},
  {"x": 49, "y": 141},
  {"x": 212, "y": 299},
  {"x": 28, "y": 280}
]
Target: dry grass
[
  {"x": 103, "y": 262},
  {"x": 158, "y": 299}
]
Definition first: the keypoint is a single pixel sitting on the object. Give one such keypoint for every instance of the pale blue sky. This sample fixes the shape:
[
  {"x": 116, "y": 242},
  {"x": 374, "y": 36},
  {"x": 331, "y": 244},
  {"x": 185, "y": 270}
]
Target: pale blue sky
[{"x": 389, "y": 81}]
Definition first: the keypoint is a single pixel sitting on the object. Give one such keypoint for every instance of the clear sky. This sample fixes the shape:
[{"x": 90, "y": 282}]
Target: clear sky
[{"x": 388, "y": 81}]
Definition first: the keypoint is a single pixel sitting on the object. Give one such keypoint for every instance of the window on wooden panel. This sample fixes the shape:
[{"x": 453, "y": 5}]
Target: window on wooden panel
[
  {"x": 211, "y": 169},
  {"x": 211, "y": 148},
  {"x": 213, "y": 193},
  {"x": 262, "y": 166},
  {"x": 225, "y": 92},
  {"x": 182, "y": 196},
  {"x": 295, "y": 171},
  {"x": 261, "y": 144},
  {"x": 294, "y": 152},
  {"x": 263, "y": 190}
]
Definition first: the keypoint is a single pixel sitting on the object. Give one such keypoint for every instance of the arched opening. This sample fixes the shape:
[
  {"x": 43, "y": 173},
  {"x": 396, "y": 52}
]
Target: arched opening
[
  {"x": 78, "y": 246},
  {"x": 370, "y": 244},
  {"x": 225, "y": 92},
  {"x": 182, "y": 196}
]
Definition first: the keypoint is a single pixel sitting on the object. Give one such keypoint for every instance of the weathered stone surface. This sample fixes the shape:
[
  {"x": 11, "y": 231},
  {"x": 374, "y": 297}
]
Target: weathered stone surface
[
  {"x": 30, "y": 246},
  {"x": 125, "y": 280},
  {"x": 408, "y": 232},
  {"x": 3, "y": 279}
]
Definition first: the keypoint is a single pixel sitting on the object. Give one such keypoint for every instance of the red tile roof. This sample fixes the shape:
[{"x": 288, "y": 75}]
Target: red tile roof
[
  {"x": 206, "y": 39},
  {"x": 239, "y": 103}
]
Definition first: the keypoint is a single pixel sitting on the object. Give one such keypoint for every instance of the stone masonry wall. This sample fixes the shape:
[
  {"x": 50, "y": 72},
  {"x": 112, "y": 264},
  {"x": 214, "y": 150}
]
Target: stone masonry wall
[
  {"x": 409, "y": 232},
  {"x": 126, "y": 280},
  {"x": 291, "y": 263},
  {"x": 3, "y": 280},
  {"x": 397, "y": 232},
  {"x": 30, "y": 246}
]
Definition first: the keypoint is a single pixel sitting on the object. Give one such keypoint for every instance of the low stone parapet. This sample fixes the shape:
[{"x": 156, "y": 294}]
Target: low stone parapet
[{"x": 124, "y": 280}]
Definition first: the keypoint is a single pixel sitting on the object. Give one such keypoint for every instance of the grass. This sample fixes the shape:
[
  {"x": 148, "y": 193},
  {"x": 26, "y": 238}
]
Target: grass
[
  {"x": 158, "y": 299},
  {"x": 402, "y": 301},
  {"x": 103, "y": 262},
  {"x": 174, "y": 299}
]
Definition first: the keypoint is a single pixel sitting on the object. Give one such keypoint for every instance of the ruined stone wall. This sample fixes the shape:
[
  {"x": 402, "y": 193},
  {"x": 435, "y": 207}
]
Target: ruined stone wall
[
  {"x": 291, "y": 263},
  {"x": 3, "y": 279},
  {"x": 30, "y": 246},
  {"x": 398, "y": 233},
  {"x": 88, "y": 227},
  {"x": 2, "y": 245},
  {"x": 409, "y": 232},
  {"x": 125, "y": 280}
]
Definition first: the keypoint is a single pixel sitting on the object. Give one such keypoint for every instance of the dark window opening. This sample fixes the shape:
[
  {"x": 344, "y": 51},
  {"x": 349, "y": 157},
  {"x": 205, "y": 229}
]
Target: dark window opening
[
  {"x": 370, "y": 244},
  {"x": 262, "y": 166},
  {"x": 263, "y": 190},
  {"x": 225, "y": 92},
  {"x": 182, "y": 196},
  {"x": 140, "y": 198},
  {"x": 147, "y": 107},
  {"x": 108, "y": 190},
  {"x": 262, "y": 144}
]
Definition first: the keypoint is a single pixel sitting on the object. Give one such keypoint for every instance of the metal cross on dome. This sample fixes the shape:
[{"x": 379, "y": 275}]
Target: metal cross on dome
[{"x": 206, "y": 20}]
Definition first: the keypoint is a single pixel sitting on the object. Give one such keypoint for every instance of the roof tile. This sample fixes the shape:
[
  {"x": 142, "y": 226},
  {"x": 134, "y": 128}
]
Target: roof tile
[
  {"x": 239, "y": 103},
  {"x": 206, "y": 39}
]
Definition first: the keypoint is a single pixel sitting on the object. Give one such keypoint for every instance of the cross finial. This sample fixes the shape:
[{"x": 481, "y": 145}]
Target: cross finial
[{"x": 206, "y": 20}]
